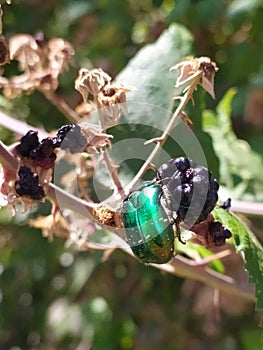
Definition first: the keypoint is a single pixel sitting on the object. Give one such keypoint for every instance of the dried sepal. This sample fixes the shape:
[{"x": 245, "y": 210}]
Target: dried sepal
[
  {"x": 210, "y": 233},
  {"x": 52, "y": 225},
  {"x": 24, "y": 49},
  {"x": 112, "y": 98},
  {"x": 198, "y": 71},
  {"x": 60, "y": 54},
  {"x": 95, "y": 139},
  {"x": 40, "y": 62},
  {"x": 7, "y": 192},
  {"x": 91, "y": 82},
  {"x": 15, "y": 86}
]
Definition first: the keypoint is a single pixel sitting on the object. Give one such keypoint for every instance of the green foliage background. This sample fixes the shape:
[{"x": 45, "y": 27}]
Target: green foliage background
[{"x": 120, "y": 304}]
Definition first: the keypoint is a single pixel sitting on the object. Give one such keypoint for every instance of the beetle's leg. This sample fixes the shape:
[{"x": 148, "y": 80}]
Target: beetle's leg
[{"x": 178, "y": 230}]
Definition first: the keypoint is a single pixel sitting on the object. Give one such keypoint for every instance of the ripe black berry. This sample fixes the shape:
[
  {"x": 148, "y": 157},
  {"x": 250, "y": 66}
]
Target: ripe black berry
[
  {"x": 28, "y": 142},
  {"x": 190, "y": 191},
  {"x": 218, "y": 233},
  {"x": 70, "y": 137},
  {"x": 28, "y": 185},
  {"x": 181, "y": 163},
  {"x": 43, "y": 150}
]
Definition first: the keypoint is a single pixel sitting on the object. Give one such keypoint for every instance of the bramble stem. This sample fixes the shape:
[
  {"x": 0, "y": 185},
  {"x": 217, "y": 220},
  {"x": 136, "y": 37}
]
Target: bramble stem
[
  {"x": 18, "y": 126},
  {"x": 112, "y": 169},
  {"x": 21, "y": 128},
  {"x": 186, "y": 268},
  {"x": 56, "y": 194},
  {"x": 180, "y": 266},
  {"x": 61, "y": 105}
]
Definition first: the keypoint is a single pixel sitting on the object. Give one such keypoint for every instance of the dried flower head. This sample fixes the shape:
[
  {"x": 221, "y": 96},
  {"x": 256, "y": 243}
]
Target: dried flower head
[
  {"x": 60, "y": 54},
  {"x": 53, "y": 224},
  {"x": 40, "y": 62},
  {"x": 24, "y": 48},
  {"x": 7, "y": 193},
  {"x": 14, "y": 86},
  {"x": 95, "y": 139},
  {"x": 91, "y": 82},
  {"x": 201, "y": 69},
  {"x": 112, "y": 98}
]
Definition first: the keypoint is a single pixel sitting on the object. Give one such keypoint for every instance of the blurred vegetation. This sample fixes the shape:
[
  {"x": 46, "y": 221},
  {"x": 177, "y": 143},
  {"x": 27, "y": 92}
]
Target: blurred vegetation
[{"x": 53, "y": 297}]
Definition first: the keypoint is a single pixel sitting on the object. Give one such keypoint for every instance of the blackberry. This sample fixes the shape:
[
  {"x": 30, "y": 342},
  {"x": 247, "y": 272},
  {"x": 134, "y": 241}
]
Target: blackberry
[
  {"x": 28, "y": 184},
  {"x": 190, "y": 190},
  {"x": 218, "y": 233},
  {"x": 24, "y": 172},
  {"x": 181, "y": 163},
  {"x": 61, "y": 133},
  {"x": 28, "y": 142},
  {"x": 43, "y": 150},
  {"x": 70, "y": 137}
]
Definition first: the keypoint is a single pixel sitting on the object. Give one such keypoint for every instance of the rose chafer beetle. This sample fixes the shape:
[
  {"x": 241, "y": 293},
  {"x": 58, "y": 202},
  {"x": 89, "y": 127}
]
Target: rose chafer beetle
[{"x": 148, "y": 229}]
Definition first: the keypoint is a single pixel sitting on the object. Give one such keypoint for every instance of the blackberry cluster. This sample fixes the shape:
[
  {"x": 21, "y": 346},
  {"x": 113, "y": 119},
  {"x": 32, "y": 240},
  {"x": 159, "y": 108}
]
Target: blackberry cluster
[
  {"x": 70, "y": 137},
  {"x": 218, "y": 233},
  {"x": 28, "y": 184},
  {"x": 40, "y": 153},
  {"x": 190, "y": 191}
]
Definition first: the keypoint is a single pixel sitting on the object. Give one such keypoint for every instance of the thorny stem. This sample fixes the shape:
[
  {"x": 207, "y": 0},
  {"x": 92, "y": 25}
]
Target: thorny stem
[
  {"x": 56, "y": 194},
  {"x": 18, "y": 126},
  {"x": 112, "y": 169},
  {"x": 178, "y": 266},
  {"x": 209, "y": 259},
  {"x": 61, "y": 105},
  {"x": 161, "y": 140},
  {"x": 185, "y": 268},
  {"x": 21, "y": 128}
]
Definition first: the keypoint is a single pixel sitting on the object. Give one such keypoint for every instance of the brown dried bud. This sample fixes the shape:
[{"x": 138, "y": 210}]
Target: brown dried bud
[
  {"x": 95, "y": 139},
  {"x": 60, "y": 55},
  {"x": 113, "y": 98},
  {"x": 24, "y": 48},
  {"x": 91, "y": 82},
  {"x": 201, "y": 68},
  {"x": 15, "y": 86}
]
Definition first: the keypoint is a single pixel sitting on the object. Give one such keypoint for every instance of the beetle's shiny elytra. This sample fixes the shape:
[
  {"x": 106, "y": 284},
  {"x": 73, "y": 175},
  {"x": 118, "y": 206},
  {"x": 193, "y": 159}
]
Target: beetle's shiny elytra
[{"x": 147, "y": 226}]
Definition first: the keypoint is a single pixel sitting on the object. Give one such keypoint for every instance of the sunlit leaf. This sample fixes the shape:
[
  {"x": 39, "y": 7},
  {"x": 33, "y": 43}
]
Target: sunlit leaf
[
  {"x": 250, "y": 248},
  {"x": 239, "y": 164}
]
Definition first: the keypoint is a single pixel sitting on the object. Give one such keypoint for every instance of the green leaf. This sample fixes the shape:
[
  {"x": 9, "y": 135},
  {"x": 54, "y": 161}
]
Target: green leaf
[
  {"x": 150, "y": 105},
  {"x": 149, "y": 72},
  {"x": 238, "y": 7},
  {"x": 198, "y": 252},
  {"x": 239, "y": 164},
  {"x": 250, "y": 248}
]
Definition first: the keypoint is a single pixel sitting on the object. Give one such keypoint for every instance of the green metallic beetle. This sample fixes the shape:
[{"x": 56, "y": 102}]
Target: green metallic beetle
[{"x": 148, "y": 229}]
